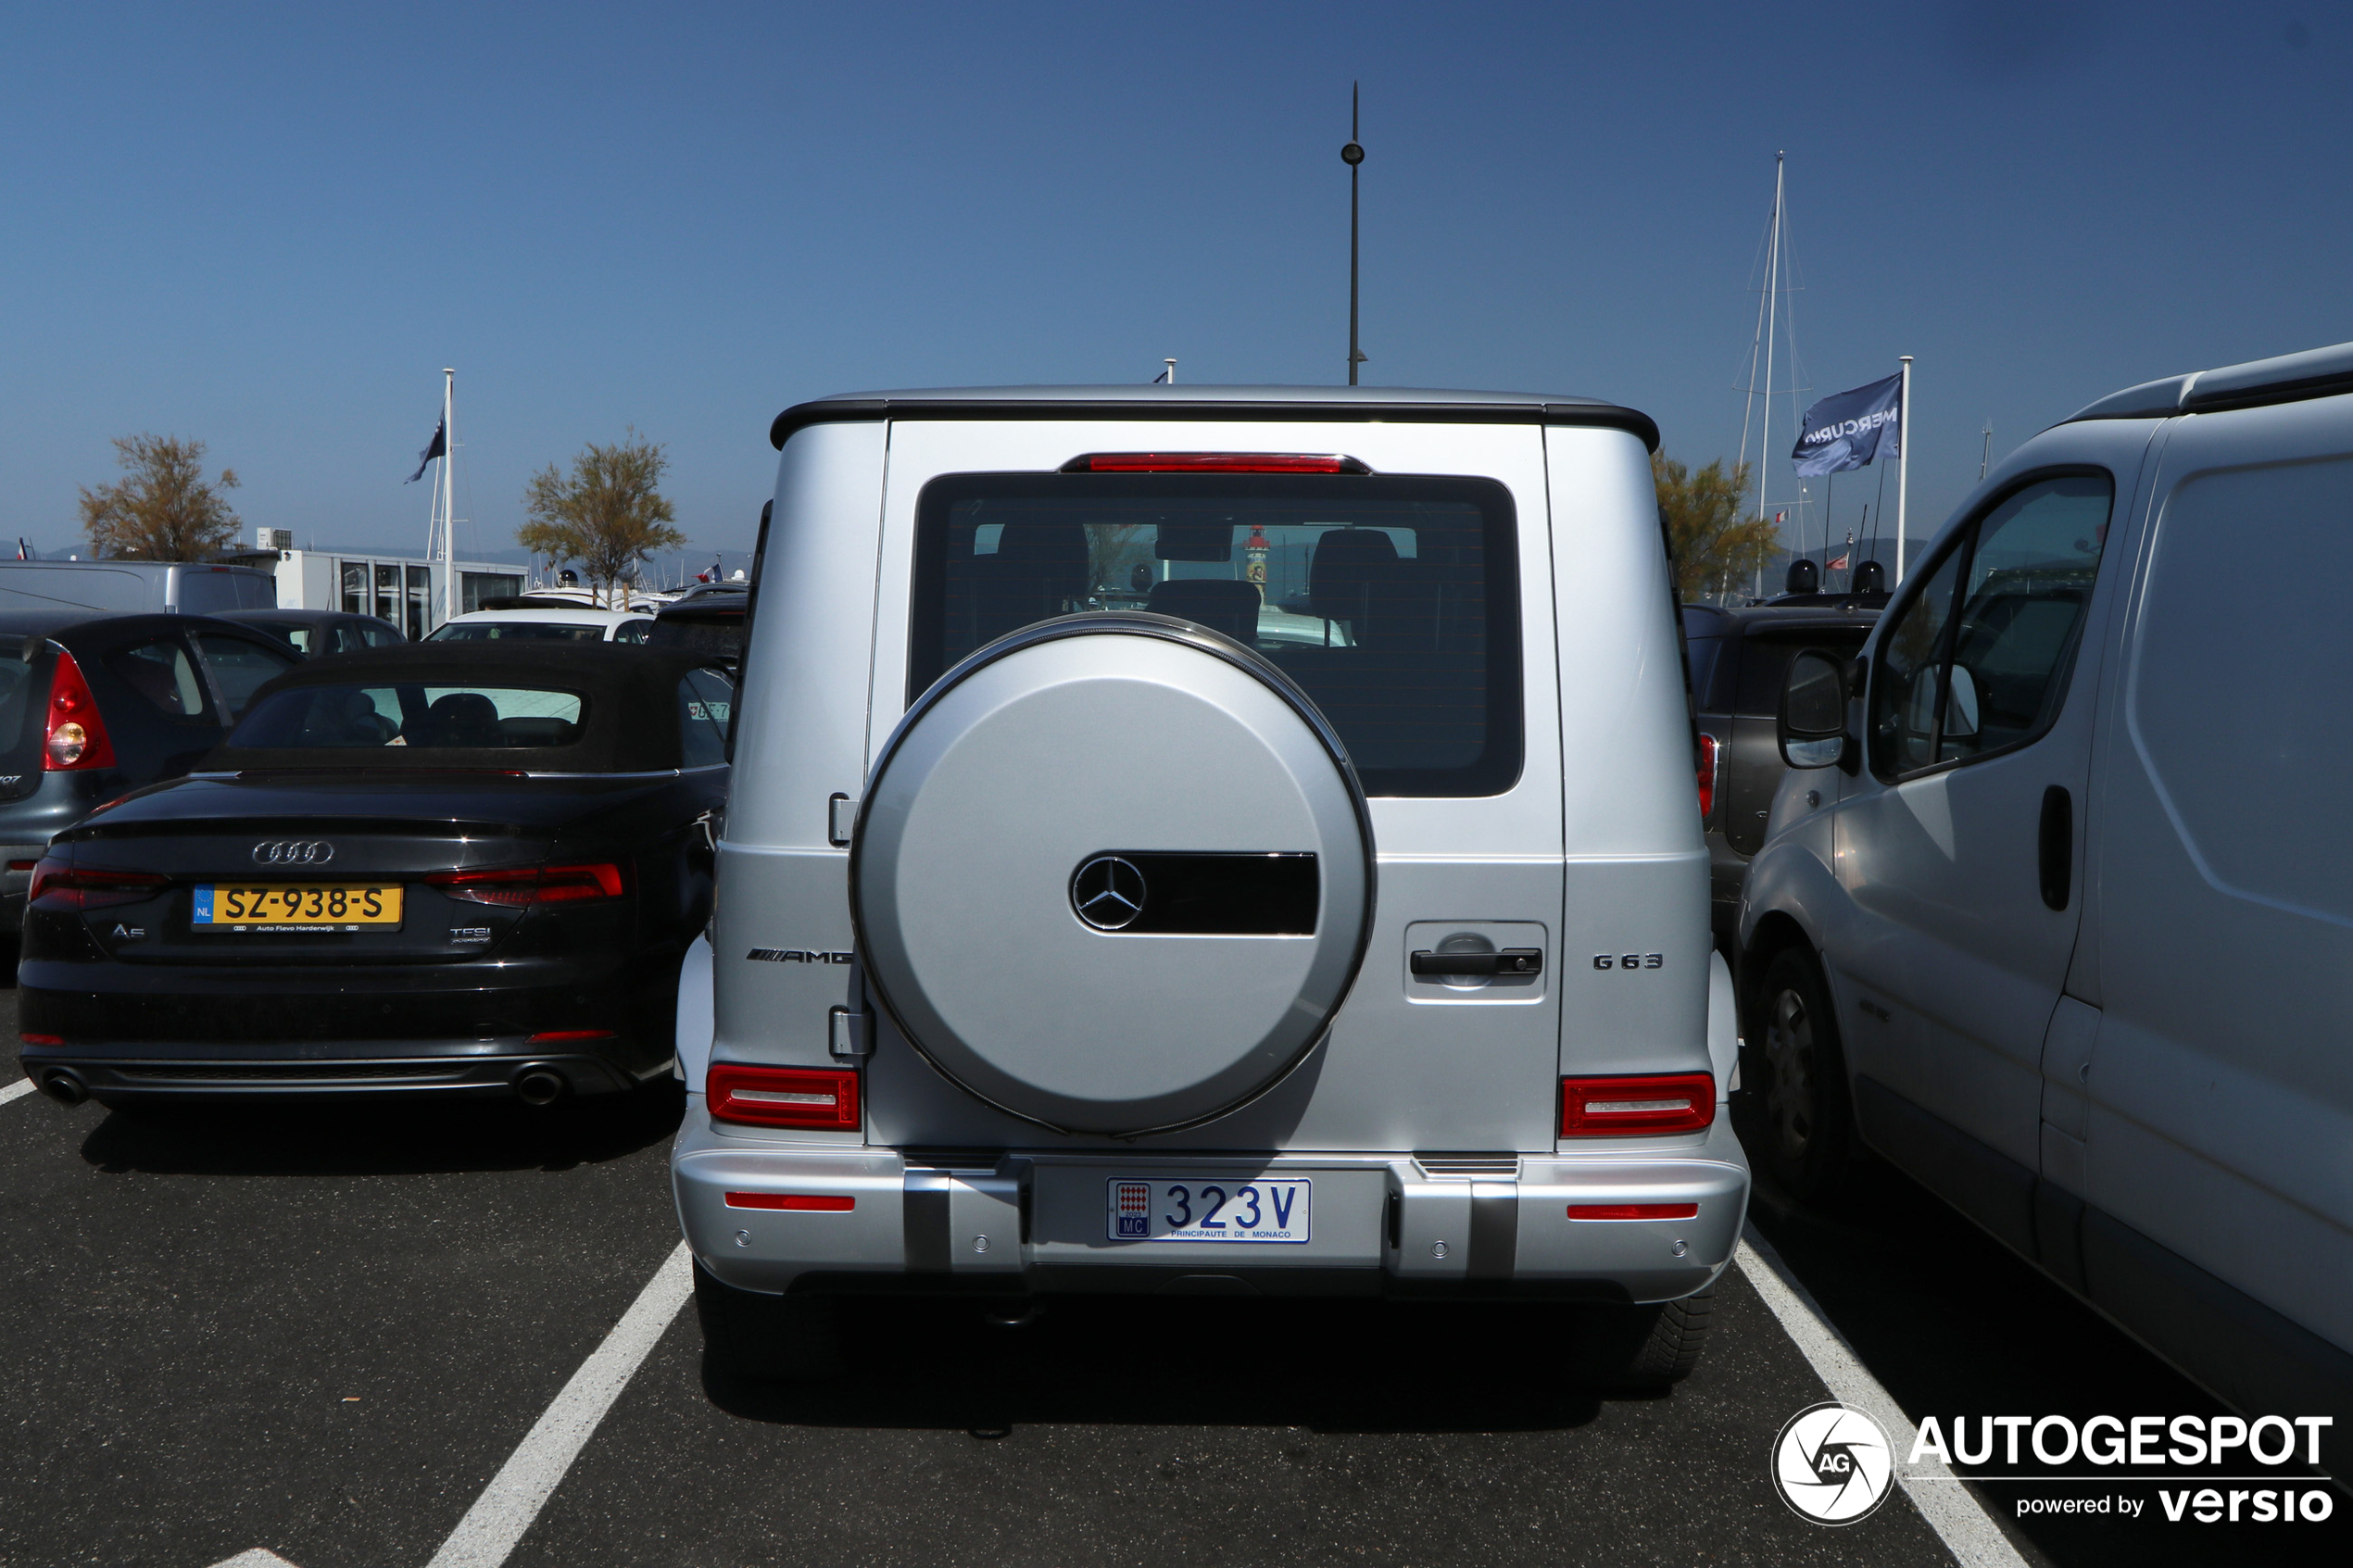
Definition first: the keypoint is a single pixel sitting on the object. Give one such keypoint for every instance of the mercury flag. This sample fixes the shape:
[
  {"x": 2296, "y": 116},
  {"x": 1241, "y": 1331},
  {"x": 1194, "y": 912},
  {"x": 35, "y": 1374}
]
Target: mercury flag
[
  {"x": 437, "y": 447},
  {"x": 1849, "y": 430}
]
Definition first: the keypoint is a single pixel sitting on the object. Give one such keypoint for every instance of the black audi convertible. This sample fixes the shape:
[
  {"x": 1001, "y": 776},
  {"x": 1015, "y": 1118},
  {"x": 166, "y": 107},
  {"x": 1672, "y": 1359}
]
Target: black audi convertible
[{"x": 465, "y": 869}]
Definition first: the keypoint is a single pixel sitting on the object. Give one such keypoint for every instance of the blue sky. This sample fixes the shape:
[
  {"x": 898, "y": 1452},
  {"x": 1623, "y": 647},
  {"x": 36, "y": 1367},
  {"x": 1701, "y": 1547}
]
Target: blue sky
[{"x": 270, "y": 227}]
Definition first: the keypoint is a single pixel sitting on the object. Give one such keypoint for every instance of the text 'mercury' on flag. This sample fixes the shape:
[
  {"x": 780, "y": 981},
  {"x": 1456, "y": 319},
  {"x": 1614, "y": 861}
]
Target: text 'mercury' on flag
[{"x": 1849, "y": 430}]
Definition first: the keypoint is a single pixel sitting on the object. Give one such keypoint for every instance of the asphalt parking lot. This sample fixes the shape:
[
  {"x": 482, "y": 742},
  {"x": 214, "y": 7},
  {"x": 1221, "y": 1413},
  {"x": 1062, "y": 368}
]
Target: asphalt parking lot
[{"x": 320, "y": 1334}]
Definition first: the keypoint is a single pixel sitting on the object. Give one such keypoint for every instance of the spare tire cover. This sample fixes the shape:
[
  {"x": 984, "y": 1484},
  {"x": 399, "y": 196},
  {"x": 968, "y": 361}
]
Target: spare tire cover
[{"x": 1112, "y": 874}]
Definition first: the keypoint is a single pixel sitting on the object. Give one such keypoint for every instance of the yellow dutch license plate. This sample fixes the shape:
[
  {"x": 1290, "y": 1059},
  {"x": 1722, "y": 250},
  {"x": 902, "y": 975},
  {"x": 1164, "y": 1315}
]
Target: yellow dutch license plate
[{"x": 225, "y": 908}]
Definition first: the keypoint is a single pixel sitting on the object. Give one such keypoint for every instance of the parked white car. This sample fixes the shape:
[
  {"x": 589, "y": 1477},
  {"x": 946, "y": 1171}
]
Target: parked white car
[
  {"x": 585, "y": 624},
  {"x": 2057, "y": 912},
  {"x": 1187, "y": 947}
]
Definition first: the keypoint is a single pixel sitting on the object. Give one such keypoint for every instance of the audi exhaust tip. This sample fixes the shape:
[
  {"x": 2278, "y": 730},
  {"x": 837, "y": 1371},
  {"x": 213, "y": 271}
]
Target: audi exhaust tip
[
  {"x": 540, "y": 1086},
  {"x": 66, "y": 1088}
]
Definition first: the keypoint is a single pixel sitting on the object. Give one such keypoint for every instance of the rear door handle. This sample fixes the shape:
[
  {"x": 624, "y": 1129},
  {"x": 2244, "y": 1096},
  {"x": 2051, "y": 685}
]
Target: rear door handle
[{"x": 1511, "y": 961}]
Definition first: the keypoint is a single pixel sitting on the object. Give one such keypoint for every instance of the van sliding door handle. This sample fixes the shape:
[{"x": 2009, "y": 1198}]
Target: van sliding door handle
[
  {"x": 2055, "y": 847},
  {"x": 1511, "y": 961}
]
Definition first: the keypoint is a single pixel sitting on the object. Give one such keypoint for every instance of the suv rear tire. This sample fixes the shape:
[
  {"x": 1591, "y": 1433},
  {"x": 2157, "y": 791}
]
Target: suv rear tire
[
  {"x": 768, "y": 1338},
  {"x": 1644, "y": 1350},
  {"x": 1806, "y": 1118}
]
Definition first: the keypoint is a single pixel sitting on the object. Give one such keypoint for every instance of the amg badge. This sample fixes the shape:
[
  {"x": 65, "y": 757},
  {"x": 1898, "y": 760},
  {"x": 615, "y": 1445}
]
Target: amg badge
[{"x": 794, "y": 955}]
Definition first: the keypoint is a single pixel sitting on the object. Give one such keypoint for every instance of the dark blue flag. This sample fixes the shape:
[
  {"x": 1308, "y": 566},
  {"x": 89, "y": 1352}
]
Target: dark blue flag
[
  {"x": 437, "y": 447},
  {"x": 1849, "y": 430}
]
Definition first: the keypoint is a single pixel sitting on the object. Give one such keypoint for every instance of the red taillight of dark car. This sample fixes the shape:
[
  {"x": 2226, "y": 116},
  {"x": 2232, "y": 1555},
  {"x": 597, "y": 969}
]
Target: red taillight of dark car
[
  {"x": 515, "y": 887},
  {"x": 782, "y": 1097},
  {"x": 1609, "y": 1108},
  {"x": 58, "y": 885},
  {"x": 1707, "y": 755},
  {"x": 76, "y": 736}
]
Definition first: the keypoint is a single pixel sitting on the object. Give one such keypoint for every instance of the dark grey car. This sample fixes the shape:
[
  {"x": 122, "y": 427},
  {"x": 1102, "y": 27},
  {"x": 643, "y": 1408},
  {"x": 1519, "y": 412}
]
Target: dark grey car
[
  {"x": 1738, "y": 660},
  {"x": 92, "y": 705}
]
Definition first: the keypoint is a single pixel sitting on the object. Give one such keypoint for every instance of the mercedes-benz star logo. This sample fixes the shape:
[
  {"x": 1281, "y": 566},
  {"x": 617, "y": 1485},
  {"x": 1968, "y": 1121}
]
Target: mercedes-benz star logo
[
  {"x": 1107, "y": 893},
  {"x": 292, "y": 852}
]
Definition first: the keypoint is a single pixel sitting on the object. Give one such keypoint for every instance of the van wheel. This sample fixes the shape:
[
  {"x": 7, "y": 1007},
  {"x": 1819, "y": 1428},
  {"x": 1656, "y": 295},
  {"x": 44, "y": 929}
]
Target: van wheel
[
  {"x": 1807, "y": 1122},
  {"x": 1644, "y": 1350},
  {"x": 767, "y": 1339}
]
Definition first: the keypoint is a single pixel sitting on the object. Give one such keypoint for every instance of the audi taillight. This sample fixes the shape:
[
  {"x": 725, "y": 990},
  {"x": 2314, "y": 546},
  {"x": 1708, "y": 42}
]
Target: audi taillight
[
  {"x": 1214, "y": 462},
  {"x": 1608, "y": 1107},
  {"x": 1707, "y": 753},
  {"x": 57, "y": 884},
  {"x": 515, "y": 887},
  {"x": 76, "y": 736},
  {"x": 782, "y": 1097}
]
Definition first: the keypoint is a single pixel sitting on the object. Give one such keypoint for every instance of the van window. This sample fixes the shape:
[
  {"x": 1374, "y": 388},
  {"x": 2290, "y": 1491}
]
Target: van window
[
  {"x": 1393, "y": 601},
  {"x": 208, "y": 590},
  {"x": 1952, "y": 687}
]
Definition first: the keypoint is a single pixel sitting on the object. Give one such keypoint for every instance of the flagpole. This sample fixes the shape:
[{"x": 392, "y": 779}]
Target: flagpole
[
  {"x": 1902, "y": 462},
  {"x": 448, "y": 494},
  {"x": 1772, "y": 287}
]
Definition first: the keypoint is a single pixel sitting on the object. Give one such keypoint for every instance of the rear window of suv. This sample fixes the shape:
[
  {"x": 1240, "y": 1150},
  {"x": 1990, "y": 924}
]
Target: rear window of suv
[{"x": 1392, "y": 600}]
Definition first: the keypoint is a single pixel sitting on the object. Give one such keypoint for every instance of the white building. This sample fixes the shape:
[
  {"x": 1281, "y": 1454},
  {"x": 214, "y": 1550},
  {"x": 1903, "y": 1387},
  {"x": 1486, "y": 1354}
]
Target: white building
[{"x": 405, "y": 590}]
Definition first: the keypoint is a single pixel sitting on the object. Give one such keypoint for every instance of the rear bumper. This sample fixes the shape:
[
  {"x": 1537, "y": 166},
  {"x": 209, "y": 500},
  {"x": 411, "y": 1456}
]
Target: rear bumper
[
  {"x": 452, "y": 1069},
  {"x": 1384, "y": 1223}
]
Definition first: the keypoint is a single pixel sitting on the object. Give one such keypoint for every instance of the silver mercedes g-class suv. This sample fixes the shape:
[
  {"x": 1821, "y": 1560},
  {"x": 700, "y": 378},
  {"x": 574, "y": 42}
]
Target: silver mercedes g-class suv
[{"x": 1214, "y": 840}]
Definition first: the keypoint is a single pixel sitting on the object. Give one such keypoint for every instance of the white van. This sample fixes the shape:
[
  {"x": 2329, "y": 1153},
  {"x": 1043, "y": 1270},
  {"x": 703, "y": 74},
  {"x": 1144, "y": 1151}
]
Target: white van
[
  {"x": 1219, "y": 841},
  {"x": 2057, "y": 916},
  {"x": 131, "y": 587}
]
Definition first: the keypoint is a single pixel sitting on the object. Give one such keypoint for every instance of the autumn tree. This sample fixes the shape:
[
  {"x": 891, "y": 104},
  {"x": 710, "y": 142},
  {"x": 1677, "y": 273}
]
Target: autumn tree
[
  {"x": 608, "y": 513},
  {"x": 162, "y": 508},
  {"x": 1714, "y": 540}
]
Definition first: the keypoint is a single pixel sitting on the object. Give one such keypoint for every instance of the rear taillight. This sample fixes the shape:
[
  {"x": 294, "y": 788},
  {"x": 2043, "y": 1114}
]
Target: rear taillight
[
  {"x": 782, "y": 1097},
  {"x": 76, "y": 735},
  {"x": 515, "y": 887},
  {"x": 57, "y": 884},
  {"x": 1707, "y": 752},
  {"x": 1604, "y": 1108},
  {"x": 794, "y": 1202},
  {"x": 1633, "y": 1211},
  {"x": 1213, "y": 462}
]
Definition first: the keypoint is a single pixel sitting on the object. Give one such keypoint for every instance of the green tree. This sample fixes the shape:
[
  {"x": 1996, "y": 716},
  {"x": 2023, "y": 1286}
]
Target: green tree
[
  {"x": 608, "y": 513},
  {"x": 162, "y": 508},
  {"x": 1717, "y": 546}
]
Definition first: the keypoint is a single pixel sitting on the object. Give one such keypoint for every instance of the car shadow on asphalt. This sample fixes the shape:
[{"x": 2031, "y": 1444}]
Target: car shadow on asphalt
[
  {"x": 345, "y": 1138},
  {"x": 1331, "y": 1366}
]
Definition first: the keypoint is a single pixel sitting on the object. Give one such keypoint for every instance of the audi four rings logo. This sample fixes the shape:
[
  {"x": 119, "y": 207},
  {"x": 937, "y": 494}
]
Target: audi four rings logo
[
  {"x": 1107, "y": 893},
  {"x": 292, "y": 852}
]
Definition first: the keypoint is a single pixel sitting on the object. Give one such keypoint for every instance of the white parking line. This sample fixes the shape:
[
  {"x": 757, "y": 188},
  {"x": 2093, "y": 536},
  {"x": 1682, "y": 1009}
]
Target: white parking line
[
  {"x": 1951, "y": 1509},
  {"x": 523, "y": 1483},
  {"x": 21, "y": 1087}
]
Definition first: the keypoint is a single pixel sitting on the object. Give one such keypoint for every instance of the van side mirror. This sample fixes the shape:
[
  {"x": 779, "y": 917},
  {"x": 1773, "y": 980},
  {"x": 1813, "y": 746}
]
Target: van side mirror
[{"x": 1813, "y": 716}]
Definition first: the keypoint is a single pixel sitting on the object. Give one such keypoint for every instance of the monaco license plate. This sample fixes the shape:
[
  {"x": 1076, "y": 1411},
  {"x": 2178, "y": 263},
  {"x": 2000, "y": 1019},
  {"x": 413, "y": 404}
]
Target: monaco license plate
[
  {"x": 1215, "y": 1209},
  {"x": 314, "y": 907}
]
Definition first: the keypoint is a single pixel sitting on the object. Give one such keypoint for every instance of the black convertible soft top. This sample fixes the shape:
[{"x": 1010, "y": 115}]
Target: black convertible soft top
[{"x": 629, "y": 722}]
